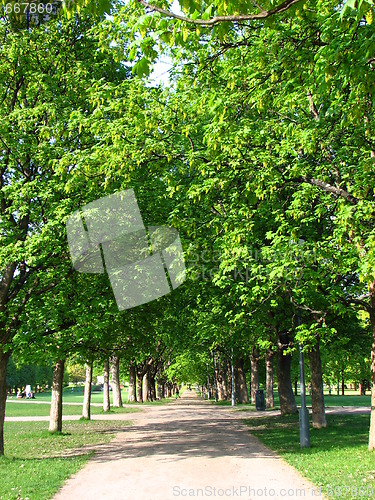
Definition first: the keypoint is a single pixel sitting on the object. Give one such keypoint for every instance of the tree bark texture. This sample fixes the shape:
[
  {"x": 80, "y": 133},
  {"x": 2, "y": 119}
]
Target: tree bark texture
[
  {"x": 86, "y": 409},
  {"x": 132, "y": 394},
  {"x": 106, "y": 401},
  {"x": 115, "y": 382},
  {"x": 284, "y": 383},
  {"x": 317, "y": 397},
  {"x": 254, "y": 360},
  {"x": 242, "y": 394},
  {"x": 55, "y": 419}
]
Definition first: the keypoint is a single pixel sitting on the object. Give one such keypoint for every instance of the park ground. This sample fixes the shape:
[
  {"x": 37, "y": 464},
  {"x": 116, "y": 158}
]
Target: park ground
[{"x": 184, "y": 447}]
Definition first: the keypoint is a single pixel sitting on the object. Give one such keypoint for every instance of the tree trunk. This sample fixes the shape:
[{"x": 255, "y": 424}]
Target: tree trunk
[
  {"x": 270, "y": 401},
  {"x": 86, "y": 409},
  {"x": 139, "y": 374},
  {"x": 371, "y": 442},
  {"x": 146, "y": 386},
  {"x": 296, "y": 387},
  {"x": 160, "y": 387},
  {"x": 342, "y": 384},
  {"x": 317, "y": 397},
  {"x": 254, "y": 360},
  {"x": 106, "y": 401},
  {"x": 338, "y": 387},
  {"x": 4, "y": 357},
  {"x": 132, "y": 395},
  {"x": 55, "y": 419},
  {"x": 242, "y": 394},
  {"x": 115, "y": 382},
  {"x": 221, "y": 387},
  {"x": 362, "y": 387},
  {"x": 284, "y": 383},
  {"x": 152, "y": 390}
]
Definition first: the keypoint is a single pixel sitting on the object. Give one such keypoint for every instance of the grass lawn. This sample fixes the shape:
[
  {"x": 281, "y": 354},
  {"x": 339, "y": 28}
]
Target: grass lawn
[
  {"x": 30, "y": 409},
  {"x": 77, "y": 396},
  {"x": 348, "y": 400},
  {"x": 338, "y": 457},
  {"x": 36, "y": 408},
  {"x": 37, "y": 463}
]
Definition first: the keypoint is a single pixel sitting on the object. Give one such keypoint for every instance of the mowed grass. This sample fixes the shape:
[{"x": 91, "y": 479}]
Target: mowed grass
[
  {"x": 30, "y": 409},
  {"x": 37, "y": 463},
  {"x": 338, "y": 460},
  {"x": 76, "y": 396},
  {"x": 329, "y": 400}
]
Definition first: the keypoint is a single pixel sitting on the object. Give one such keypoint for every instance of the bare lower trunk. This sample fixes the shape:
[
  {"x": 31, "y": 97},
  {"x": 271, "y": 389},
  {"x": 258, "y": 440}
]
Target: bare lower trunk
[
  {"x": 132, "y": 395},
  {"x": 254, "y": 359},
  {"x": 146, "y": 387},
  {"x": 317, "y": 398},
  {"x": 284, "y": 383},
  {"x": 160, "y": 386},
  {"x": 152, "y": 390},
  {"x": 4, "y": 357},
  {"x": 242, "y": 394},
  {"x": 115, "y": 382},
  {"x": 342, "y": 384},
  {"x": 106, "y": 401},
  {"x": 139, "y": 387},
  {"x": 168, "y": 390},
  {"x": 221, "y": 392},
  {"x": 270, "y": 400},
  {"x": 362, "y": 387},
  {"x": 55, "y": 419},
  {"x": 86, "y": 409},
  {"x": 371, "y": 442}
]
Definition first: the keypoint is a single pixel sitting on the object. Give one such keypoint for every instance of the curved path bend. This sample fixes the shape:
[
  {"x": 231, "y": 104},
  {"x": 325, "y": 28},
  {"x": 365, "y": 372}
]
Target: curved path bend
[{"x": 186, "y": 449}]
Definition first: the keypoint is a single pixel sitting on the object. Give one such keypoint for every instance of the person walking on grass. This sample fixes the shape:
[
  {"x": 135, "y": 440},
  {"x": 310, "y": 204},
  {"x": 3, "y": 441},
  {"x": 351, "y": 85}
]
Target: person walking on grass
[{"x": 177, "y": 393}]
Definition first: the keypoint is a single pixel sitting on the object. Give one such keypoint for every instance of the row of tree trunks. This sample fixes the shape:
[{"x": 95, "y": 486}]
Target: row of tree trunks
[
  {"x": 4, "y": 357},
  {"x": 144, "y": 382},
  {"x": 55, "y": 419}
]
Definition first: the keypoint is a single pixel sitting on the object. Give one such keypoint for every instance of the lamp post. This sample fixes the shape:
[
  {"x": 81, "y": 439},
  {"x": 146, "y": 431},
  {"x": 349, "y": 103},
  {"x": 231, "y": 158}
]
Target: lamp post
[
  {"x": 208, "y": 383},
  {"x": 232, "y": 367},
  {"x": 304, "y": 431},
  {"x": 215, "y": 380}
]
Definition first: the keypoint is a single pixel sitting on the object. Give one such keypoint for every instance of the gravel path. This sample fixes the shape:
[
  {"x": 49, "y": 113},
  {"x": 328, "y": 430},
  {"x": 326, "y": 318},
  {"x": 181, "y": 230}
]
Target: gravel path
[{"x": 185, "y": 449}]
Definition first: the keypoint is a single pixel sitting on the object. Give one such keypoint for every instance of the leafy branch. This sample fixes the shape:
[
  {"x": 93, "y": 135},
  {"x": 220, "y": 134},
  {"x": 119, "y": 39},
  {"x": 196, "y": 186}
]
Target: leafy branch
[{"x": 263, "y": 14}]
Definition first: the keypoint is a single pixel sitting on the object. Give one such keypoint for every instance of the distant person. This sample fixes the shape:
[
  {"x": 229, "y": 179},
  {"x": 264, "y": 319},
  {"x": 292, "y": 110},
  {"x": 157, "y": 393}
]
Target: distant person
[{"x": 177, "y": 393}]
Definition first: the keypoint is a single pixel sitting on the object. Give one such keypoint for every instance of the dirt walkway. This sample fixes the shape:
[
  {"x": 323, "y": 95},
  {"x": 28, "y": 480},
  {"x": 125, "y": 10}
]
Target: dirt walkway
[{"x": 185, "y": 449}]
